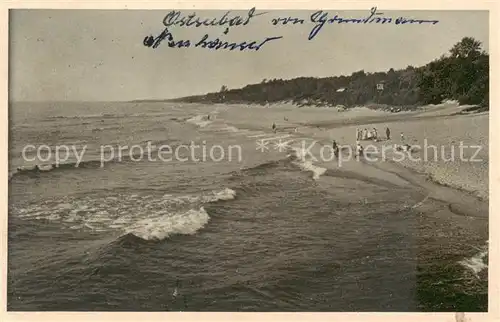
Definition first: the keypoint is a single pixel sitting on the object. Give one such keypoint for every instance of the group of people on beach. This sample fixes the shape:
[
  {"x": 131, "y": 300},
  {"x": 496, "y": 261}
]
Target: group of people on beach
[
  {"x": 361, "y": 135},
  {"x": 372, "y": 135},
  {"x": 365, "y": 134}
]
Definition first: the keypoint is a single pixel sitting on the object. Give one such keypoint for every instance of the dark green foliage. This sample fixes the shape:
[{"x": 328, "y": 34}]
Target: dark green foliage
[{"x": 463, "y": 76}]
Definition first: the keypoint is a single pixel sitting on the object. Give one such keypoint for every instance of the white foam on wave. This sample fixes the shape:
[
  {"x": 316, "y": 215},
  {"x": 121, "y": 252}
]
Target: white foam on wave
[
  {"x": 300, "y": 160},
  {"x": 31, "y": 168},
  {"x": 158, "y": 228},
  {"x": 258, "y": 135},
  {"x": 297, "y": 153},
  {"x": 229, "y": 128},
  {"x": 225, "y": 194},
  {"x": 276, "y": 137},
  {"x": 25, "y": 168},
  {"x": 476, "y": 263},
  {"x": 199, "y": 120},
  {"x": 124, "y": 212},
  {"x": 309, "y": 166},
  {"x": 46, "y": 167}
]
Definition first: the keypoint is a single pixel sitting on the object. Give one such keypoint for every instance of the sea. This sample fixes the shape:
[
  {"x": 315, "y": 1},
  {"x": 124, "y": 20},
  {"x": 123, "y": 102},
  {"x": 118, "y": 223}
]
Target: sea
[{"x": 239, "y": 223}]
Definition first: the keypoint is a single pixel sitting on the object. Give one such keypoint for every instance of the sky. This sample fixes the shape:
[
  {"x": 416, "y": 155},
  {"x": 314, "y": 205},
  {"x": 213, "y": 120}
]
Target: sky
[{"x": 99, "y": 55}]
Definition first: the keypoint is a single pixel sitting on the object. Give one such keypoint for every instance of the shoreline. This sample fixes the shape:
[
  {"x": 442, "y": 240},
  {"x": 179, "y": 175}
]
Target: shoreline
[
  {"x": 444, "y": 125},
  {"x": 394, "y": 216},
  {"x": 451, "y": 221}
]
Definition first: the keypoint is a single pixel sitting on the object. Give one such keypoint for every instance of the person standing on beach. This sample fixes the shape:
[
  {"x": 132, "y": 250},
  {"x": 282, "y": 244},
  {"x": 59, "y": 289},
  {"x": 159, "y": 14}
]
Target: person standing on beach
[
  {"x": 388, "y": 133},
  {"x": 358, "y": 134},
  {"x": 369, "y": 134},
  {"x": 375, "y": 134},
  {"x": 335, "y": 149},
  {"x": 274, "y": 127},
  {"x": 402, "y": 137},
  {"x": 359, "y": 149}
]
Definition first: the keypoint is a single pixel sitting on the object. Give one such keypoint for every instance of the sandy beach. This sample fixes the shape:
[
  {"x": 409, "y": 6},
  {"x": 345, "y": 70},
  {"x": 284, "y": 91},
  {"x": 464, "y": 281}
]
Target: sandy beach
[{"x": 436, "y": 126}]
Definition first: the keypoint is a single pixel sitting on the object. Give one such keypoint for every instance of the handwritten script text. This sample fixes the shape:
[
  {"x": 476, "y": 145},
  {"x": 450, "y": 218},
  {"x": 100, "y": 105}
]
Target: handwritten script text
[{"x": 176, "y": 19}]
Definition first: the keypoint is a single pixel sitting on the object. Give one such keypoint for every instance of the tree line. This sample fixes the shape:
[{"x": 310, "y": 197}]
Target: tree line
[{"x": 462, "y": 75}]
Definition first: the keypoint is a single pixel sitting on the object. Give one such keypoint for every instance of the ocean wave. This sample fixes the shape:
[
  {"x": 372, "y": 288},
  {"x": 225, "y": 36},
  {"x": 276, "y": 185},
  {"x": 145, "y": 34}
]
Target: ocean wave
[
  {"x": 128, "y": 240},
  {"x": 151, "y": 217},
  {"x": 206, "y": 122},
  {"x": 309, "y": 166},
  {"x": 299, "y": 159},
  {"x": 213, "y": 196},
  {"x": 199, "y": 120},
  {"x": 229, "y": 128},
  {"x": 93, "y": 163},
  {"x": 296, "y": 158},
  {"x": 179, "y": 119},
  {"x": 476, "y": 264},
  {"x": 108, "y": 116},
  {"x": 306, "y": 166},
  {"x": 153, "y": 114},
  {"x": 263, "y": 166},
  {"x": 258, "y": 135},
  {"x": 159, "y": 228},
  {"x": 224, "y": 195},
  {"x": 40, "y": 168},
  {"x": 89, "y": 116}
]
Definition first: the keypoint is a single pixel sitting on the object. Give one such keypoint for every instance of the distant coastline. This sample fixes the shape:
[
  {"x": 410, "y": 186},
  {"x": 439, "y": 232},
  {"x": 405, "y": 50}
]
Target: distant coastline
[{"x": 462, "y": 75}]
